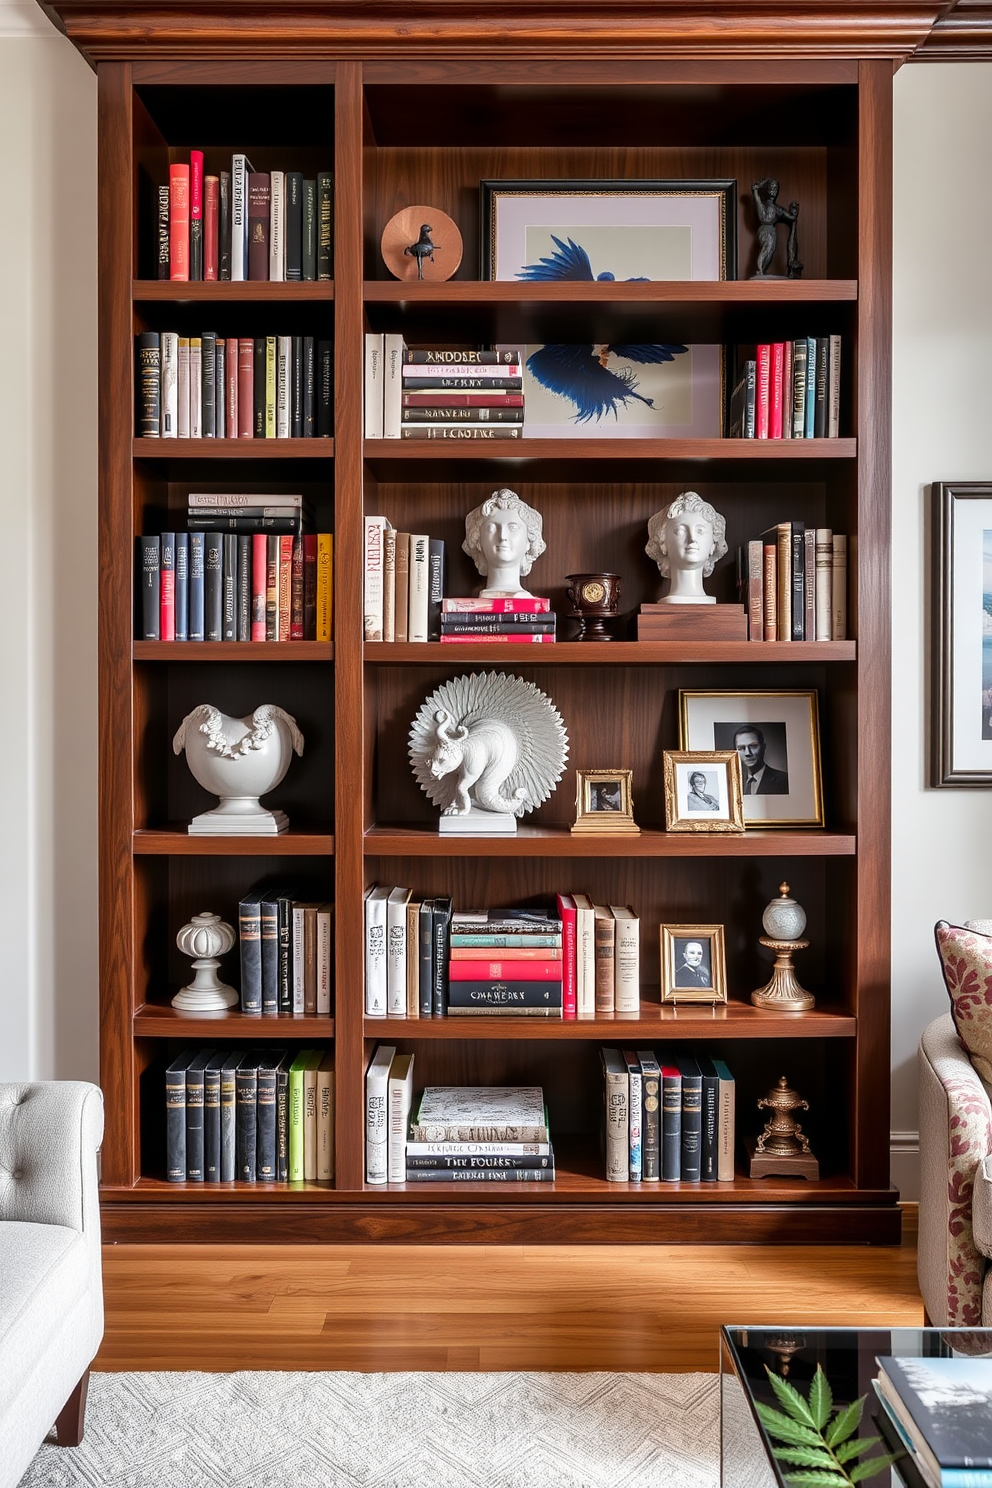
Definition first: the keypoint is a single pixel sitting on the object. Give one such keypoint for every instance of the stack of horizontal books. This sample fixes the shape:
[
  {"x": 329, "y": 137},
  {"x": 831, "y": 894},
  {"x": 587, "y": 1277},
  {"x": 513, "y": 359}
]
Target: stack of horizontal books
[
  {"x": 441, "y": 392},
  {"x": 505, "y": 962},
  {"x": 528, "y": 621},
  {"x": 480, "y": 1134},
  {"x": 940, "y": 1411}
]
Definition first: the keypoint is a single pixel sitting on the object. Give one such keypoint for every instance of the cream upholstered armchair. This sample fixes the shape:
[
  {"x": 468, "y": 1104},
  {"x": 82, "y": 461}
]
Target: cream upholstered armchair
[
  {"x": 51, "y": 1291},
  {"x": 955, "y": 1069}
]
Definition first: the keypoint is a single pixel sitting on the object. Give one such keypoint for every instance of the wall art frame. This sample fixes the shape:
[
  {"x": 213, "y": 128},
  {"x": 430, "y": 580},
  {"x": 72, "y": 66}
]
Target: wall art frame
[{"x": 961, "y": 634}]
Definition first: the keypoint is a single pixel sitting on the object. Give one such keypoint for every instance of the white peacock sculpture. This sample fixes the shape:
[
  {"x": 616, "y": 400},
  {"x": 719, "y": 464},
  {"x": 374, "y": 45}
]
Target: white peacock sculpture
[{"x": 487, "y": 748}]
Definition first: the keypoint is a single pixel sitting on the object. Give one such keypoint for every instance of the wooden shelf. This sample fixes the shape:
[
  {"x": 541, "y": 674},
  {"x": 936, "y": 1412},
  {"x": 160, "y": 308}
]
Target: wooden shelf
[
  {"x": 609, "y": 653},
  {"x": 176, "y": 842},
  {"x": 560, "y": 842},
  {"x": 693, "y": 292},
  {"x": 154, "y": 1020},
  {"x": 736, "y": 1020},
  {"x": 233, "y": 651},
  {"x": 233, "y": 449},
  {"x": 177, "y": 292},
  {"x": 746, "y": 451}
]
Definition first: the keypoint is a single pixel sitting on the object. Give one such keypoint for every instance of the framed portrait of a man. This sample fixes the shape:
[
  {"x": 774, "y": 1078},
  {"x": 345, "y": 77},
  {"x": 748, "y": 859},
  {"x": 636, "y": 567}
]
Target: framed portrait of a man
[
  {"x": 693, "y": 964},
  {"x": 776, "y": 737},
  {"x": 703, "y": 791}
]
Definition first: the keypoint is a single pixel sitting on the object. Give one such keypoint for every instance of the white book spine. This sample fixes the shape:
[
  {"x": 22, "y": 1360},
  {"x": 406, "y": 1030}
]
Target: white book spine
[
  {"x": 277, "y": 231},
  {"x": 726, "y": 1136},
  {"x": 634, "y": 1105},
  {"x": 838, "y": 589},
  {"x": 377, "y": 1115},
  {"x": 617, "y": 1117},
  {"x": 394, "y": 348},
  {"x": 284, "y": 359},
  {"x": 415, "y": 371},
  {"x": 373, "y": 385},
  {"x": 419, "y": 587},
  {"x": 375, "y": 953},
  {"x": 169, "y": 426},
  {"x": 400, "y": 1102},
  {"x": 240, "y": 170},
  {"x": 299, "y": 960},
  {"x": 374, "y": 528},
  {"x": 195, "y": 391},
  {"x": 585, "y": 936},
  {"x": 389, "y": 584},
  {"x": 182, "y": 389},
  {"x": 833, "y": 388},
  {"x": 325, "y": 945},
  {"x": 396, "y": 953},
  {"x": 824, "y": 572},
  {"x": 627, "y": 962}
]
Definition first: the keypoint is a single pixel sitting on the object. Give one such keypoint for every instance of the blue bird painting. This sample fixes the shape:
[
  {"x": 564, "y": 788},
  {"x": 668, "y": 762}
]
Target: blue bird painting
[
  {"x": 582, "y": 375},
  {"x": 570, "y": 261}
]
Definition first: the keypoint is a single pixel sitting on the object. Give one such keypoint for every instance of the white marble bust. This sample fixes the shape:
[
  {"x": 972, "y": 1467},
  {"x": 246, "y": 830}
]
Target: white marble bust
[
  {"x": 503, "y": 537},
  {"x": 686, "y": 539}
]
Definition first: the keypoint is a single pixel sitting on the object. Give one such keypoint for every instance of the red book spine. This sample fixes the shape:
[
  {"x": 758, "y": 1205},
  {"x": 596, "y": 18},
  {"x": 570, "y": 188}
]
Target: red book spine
[
  {"x": 309, "y": 586},
  {"x": 196, "y": 214},
  {"x": 537, "y": 606},
  {"x": 505, "y": 971},
  {"x": 179, "y": 222},
  {"x": 259, "y": 570},
  {"x": 775, "y": 391},
  {"x": 285, "y": 586},
  {"x": 569, "y": 983},
  {"x": 231, "y": 390},
  {"x": 167, "y": 603},
  {"x": 296, "y": 597},
  {"x": 498, "y": 640},
  {"x": 246, "y": 387},
  {"x": 211, "y": 239},
  {"x": 762, "y": 392}
]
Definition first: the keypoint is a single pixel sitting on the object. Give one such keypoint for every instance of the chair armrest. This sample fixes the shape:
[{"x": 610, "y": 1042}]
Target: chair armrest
[
  {"x": 955, "y": 1139},
  {"x": 50, "y": 1132}
]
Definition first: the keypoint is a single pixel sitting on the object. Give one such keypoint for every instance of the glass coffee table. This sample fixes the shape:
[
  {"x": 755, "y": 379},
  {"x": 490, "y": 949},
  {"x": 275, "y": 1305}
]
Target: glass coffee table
[{"x": 847, "y": 1356}]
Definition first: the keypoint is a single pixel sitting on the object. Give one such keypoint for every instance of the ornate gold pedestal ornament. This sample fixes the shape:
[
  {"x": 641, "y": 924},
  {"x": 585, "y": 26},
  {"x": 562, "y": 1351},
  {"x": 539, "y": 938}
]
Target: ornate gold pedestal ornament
[
  {"x": 782, "y": 1347},
  {"x": 784, "y": 921},
  {"x": 782, "y": 1149}
]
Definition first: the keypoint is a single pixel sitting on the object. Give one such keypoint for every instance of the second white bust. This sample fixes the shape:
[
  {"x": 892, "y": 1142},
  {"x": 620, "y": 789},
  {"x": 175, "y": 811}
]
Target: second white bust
[
  {"x": 503, "y": 537},
  {"x": 686, "y": 539}
]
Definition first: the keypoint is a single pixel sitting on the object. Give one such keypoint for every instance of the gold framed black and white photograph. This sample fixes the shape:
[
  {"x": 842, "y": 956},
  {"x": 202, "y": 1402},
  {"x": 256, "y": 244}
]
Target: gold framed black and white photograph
[
  {"x": 604, "y": 801},
  {"x": 776, "y": 736},
  {"x": 703, "y": 790},
  {"x": 693, "y": 963}
]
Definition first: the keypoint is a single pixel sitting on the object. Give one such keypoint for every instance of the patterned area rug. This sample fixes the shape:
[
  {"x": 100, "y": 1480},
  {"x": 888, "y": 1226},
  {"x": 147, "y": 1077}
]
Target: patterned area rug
[{"x": 283, "y": 1430}]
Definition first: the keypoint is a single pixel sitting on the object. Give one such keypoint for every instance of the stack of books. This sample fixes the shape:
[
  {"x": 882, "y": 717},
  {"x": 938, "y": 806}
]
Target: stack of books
[
  {"x": 223, "y": 580},
  {"x": 792, "y": 581},
  {"x": 242, "y": 223},
  {"x": 236, "y": 387},
  {"x": 257, "y": 1116},
  {"x": 502, "y": 621},
  {"x": 789, "y": 390},
  {"x": 505, "y": 962},
  {"x": 441, "y": 393},
  {"x": 940, "y": 1410},
  {"x": 668, "y": 1119},
  {"x": 287, "y": 951}
]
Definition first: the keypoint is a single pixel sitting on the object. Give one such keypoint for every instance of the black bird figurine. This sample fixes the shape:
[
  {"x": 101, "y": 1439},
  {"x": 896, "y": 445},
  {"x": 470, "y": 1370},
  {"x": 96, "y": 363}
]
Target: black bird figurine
[{"x": 422, "y": 248}]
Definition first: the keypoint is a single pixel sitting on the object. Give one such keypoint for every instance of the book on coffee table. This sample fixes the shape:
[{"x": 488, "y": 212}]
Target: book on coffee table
[{"x": 943, "y": 1409}]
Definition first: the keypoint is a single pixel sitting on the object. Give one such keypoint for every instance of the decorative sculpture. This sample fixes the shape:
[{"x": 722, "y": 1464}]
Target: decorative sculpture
[
  {"x": 486, "y": 749},
  {"x": 595, "y": 598},
  {"x": 770, "y": 214},
  {"x": 421, "y": 242},
  {"x": 686, "y": 539},
  {"x": 783, "y": 1147},
  {"x": 238, "y": 759},
  {"x": 503, "y": 537},
  {"x": 206, "y": 938},
  {"x": 784, "y": 922}
]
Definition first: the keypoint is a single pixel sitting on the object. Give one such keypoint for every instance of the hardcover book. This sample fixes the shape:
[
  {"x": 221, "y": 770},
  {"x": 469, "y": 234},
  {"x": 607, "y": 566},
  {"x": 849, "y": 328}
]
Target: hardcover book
[
  {"x": 486, "y": 1113},
  {"x": 945, "y": 1407}
]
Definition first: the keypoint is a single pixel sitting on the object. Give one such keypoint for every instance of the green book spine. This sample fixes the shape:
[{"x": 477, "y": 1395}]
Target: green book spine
[{"x": 295, "y": 1114}]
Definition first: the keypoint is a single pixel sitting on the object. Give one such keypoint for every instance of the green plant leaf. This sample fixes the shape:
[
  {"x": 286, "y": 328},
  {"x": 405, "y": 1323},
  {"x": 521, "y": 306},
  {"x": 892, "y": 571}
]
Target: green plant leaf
[
  {"x": 854, "y": 1448},
  {"x": 787, "y": 1430},
  {"x": 845, "y": 1423},
  {"x": 821, "y": 1400},
  {"x": 817, "y": 1479},
  {"x": 806, "y": 1456},
  {"x": 871, "y": 1467},
  {"x": 790, "y": 1399}
]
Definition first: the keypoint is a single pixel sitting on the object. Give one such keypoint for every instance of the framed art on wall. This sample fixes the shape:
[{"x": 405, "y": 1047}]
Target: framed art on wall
[
  {"x": 777, "y": 739},
  {"x": 961, "y": 634}
]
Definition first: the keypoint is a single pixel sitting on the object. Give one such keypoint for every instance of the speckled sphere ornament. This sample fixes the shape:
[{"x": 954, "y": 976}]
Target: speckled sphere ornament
[{"x": 783, "y": 918}]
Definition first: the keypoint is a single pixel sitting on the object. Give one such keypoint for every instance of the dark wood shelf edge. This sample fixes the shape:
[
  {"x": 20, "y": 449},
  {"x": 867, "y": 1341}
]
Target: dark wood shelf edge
[
  {"x": 217, "y": 291},
  {"x": 559, "y": 842},
  {"x": 149, "y": 842},
  {"x": 799, "y": 450},
  {"x": 233, "y": 449},
  {"x": 688, "y": 1024},
  {"x": 232, "y": 651},
  {"x": 616, "y": 653},
  {"x": 153, "y": 1020},
  {"x": 661, "y": 292}
]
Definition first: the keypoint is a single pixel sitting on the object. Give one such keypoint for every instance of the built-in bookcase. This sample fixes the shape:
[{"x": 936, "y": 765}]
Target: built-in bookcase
[{"x": 425, "y": 125}]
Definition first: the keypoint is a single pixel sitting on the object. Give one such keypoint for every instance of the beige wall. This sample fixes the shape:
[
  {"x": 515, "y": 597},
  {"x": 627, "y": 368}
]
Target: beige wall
[{"x": 943, "y": 429}]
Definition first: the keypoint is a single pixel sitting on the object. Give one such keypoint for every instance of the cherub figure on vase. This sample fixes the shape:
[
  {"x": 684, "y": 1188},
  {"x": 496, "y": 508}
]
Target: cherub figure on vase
[
  {"x": 686, "y": 539},
  {"x": 503, "y": 537}
]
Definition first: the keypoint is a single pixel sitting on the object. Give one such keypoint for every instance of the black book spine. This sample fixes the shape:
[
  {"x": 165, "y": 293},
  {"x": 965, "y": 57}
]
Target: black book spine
[
  {"x": 820, "y": 387},
  {"x": 211, "y": 1123},
  {"x": 282, "y": 1125},
  {"x": 477, "y": 1163},
  {"x": 220, "y": 384},
  {"x": 285, "y": 911},
  {"x": 230, "y": 613},
  {"x": 325, "y": 201},
  {"x": 425, "y": 946},
  {"x": 224, "y": 224},
  {"x": 503, "y": 995},
  {"x": 671, "y": 1125},
  {"x": 175, "y": 1122},
  {"x": 162, "y": 246},
  {"x": 214, "y": 521},
  {"x": 213, "y": 586},
  {"x": 194, "y": 1122},
  {"x": 325, "y": 385},
  {"x": 197, "y": 548},
  {"x": 149, "y": 557},
  {"x": 294, "y": 225},
  {"x": 269, "y": 916},
  {"x": 244, "y": 588},
  {"x": 265, "y": 1155},
  {"x": 250, "y": 940},
  {"x": 228, "y": 1115},
  {"x": 692, "y": 1120},
  {"x": 309, "y": 381},
  {"x": 148, "y": 385},
  {"x": 296, "y": 389},
  {"x": 258, "y": 388},
  {"x": 246, "y": 1122},
  {"x": 650, "y": 1122},
  {"x": 798, "y": 581},
  {"x": 182, "y": 586},
  {"x": 435, "y": 587},
  {"x": 441, "y": 952},
  {"x": 710, "y": 1119},
  {"x": 208, "y": 369},
  {"x": 309, "y": 250}
]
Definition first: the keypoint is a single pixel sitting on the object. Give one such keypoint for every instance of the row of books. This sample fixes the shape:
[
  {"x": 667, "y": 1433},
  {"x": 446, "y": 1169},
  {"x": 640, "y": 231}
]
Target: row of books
[
  {"x": 403, "y": 585},
  {"x": 242, "y": 223},
  {"x": 235, "y": 387},
  {"x": 792, "y": 581},
  {"x": 668, "y": 1119},
  {"x": 789, "y": 390},
  {"x": 938, "y": 1410},
  {"x": 441, "y": 393},
  {"x": 286, "y": 942},
  {"x": 231, "y": 586},
  {"x": 423, "y": 959},
  {"x": 249, "y": 1116},
  {"x": 452, "y": 1133}
]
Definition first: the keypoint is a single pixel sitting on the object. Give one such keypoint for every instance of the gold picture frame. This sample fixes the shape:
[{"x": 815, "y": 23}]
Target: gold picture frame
[
  {"x": 783, "y": 736},
  {"x": 703, "y": 790},
  {"x": 693, "y": 964},
  {"x": 604, "y": 802}
]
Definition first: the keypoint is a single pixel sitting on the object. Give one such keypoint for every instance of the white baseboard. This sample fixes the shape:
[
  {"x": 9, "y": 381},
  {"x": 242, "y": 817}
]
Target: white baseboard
[{"x": 904, "y": 1164}]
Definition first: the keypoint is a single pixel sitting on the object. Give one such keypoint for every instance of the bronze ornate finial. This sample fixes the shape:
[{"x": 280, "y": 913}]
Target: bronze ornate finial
[{"x": 782, "y": 1148}]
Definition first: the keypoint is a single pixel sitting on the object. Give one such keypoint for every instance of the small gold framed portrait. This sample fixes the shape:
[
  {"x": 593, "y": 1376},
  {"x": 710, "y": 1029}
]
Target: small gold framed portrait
[
  {"x": 693, "y": 964},
  {"x": 603, "y": 801},
  {"x": 703, "y": 790}
]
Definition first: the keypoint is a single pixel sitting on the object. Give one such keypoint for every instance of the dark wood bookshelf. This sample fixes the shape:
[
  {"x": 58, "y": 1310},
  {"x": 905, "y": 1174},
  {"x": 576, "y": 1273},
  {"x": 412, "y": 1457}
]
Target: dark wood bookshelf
[{"x": 424, "y": 116}]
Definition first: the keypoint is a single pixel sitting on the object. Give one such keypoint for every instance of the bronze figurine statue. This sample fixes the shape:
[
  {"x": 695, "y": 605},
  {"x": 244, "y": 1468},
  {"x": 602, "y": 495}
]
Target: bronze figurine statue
[
  {"x": 770, "y": 214},
  {"x": 423, "y": 248}
]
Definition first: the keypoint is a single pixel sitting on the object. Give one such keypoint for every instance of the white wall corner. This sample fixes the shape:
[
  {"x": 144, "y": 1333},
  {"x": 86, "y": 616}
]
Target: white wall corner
[
  {"x": 24, "y": 18},
  {"x": 904, "y": 1164}
]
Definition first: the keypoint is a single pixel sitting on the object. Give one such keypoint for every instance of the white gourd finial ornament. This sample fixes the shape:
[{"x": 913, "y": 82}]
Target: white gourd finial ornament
[{"x": 206, "y": 938}]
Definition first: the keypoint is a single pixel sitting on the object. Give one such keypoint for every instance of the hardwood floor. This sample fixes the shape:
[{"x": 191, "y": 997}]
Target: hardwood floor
[{"x": 639, "y": 1308}]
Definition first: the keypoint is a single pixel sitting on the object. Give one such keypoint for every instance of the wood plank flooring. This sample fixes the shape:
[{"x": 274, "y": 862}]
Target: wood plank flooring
[{"x": 638, "y": 1308}]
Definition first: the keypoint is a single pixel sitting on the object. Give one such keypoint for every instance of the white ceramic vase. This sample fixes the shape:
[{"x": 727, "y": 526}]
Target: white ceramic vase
[{"x": 239, "y": 760}]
